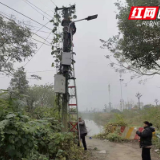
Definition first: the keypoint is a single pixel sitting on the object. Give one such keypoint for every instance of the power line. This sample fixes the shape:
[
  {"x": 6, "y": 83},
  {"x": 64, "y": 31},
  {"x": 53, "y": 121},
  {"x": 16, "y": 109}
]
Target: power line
[
  {"x": 53, "y": 3},
  {"x": 37, "y": 50},
  {"x": 42, "y": 71},
  {"x": 44, "y": 31},
  {"x": 28, "y": 24},
  {"x": 27, "y": 2},
  {"x": 31, "y": 32},
  {"x": 41, "y": 42},
  {"x": 42, "y": 27},
  {"x": 24, "y": 15},
  {"x": 39, "y": 8},
  {"x": 41, "y": 37},
  {"x": 10, "y": 16}
]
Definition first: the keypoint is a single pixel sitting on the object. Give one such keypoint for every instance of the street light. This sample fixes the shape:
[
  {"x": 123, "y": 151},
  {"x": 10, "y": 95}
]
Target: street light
[
  {"x": 139, "y": 95},
  {"x": 91, "y": 17},
  {"x": 88, "y": 19}
]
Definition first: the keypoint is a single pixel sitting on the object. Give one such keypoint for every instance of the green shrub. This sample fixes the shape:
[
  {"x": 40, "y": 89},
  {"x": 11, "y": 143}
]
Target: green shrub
[
  {"x": 23, "y": 138},
  {"x": 16, "y": 137},
  {"x": 114, "y": 137}
]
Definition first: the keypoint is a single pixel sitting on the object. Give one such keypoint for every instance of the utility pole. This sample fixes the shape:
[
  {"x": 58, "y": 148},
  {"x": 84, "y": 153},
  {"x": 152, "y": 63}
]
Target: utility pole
[
  {"x": 67, "y": 62},
  {"x": 139, "y": 95},
  {"x": 109, "y": 90},
  {"x": 156, "y": 101},
  {"x": 67, "y": 43},
  {"x": 121, "y": 101}
]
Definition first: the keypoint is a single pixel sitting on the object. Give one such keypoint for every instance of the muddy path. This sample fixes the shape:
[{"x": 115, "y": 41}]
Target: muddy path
[{"x": 105, "y": 150}]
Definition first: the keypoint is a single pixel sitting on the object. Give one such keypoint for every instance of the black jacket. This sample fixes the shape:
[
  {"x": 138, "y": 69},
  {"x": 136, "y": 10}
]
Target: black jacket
[{"x": 146, "y": 136}]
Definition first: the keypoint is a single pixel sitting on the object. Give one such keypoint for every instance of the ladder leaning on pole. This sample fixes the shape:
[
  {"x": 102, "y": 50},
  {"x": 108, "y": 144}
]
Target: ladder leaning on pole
[{"x": 73, "y": 103}]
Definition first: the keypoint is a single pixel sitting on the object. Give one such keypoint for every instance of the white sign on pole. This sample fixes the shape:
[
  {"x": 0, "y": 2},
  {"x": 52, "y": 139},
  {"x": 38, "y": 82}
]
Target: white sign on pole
[
  {"x": 59, "y": 83},
  {"x": 66, "y": 58}
]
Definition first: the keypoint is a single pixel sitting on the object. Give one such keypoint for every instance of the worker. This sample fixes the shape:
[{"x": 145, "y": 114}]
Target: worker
[
  {"x": 146, "y": 140},
  {"x": 83, "y": 132}
]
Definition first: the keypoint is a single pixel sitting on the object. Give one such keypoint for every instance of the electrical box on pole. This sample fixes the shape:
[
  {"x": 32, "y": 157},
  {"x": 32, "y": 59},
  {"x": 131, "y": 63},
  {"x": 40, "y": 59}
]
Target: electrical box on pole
[
  {"x": 59, "y": 84},
  {"x": 66, "y": 58}
]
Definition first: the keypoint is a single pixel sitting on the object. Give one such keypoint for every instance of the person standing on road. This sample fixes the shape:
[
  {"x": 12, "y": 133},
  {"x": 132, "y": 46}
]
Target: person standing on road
[
  {"x": 146, "y": 140},
  {"x": 83, "y": 132}
]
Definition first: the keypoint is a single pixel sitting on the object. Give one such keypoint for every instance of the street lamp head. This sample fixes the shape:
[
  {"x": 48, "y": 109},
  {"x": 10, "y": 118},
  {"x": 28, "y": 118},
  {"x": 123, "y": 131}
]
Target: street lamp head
[{"x": 91, "y": 17}]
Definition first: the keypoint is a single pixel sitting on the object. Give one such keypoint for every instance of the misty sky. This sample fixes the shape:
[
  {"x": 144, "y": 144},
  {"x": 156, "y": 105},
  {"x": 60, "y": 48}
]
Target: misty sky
[{"x": 92, "y": 70}]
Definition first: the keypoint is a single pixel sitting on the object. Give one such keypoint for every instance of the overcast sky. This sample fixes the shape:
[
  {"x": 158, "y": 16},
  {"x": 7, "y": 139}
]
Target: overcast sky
[{"x": 92, "y": 70}]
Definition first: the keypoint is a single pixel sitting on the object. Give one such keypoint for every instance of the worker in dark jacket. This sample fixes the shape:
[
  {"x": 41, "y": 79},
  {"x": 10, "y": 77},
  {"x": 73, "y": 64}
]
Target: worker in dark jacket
[
  {"x": 146, "y": 140},
  {"x": 83, "y": 132}
]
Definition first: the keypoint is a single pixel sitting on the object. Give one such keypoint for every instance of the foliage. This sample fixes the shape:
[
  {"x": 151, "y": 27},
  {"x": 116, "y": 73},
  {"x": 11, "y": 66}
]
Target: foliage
[
  {"x": 110, "y": 133},
  {"x": 16, "y": 137},
  {"x": 136, "y": 46},
  {"x": 36, "y": 77},
  {"x": 115, "y": 111},
  {"x": 114, "y": 137},
  {"x": 16, "y": 45},
  {"x": 118, "y": 120},
  {"x": 44, "y": 112},
  {"x": 19, "y": 83},
  {"x": 40, "y": 96},
  {"x": 58, "y": 36},
  {"x": 23, "y": 138}
]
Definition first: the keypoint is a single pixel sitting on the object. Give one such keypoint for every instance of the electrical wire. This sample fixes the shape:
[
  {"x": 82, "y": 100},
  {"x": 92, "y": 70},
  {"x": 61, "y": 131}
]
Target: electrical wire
[
  {"x": 53, "y": 3},
  {"x": 31, "y": 32},
  {"x": 42, "y": 71},
  {"x": 41, "y": 42},
  {"x": 39, "y": 8},
  {"x": 41, "y": 37},
  {"x": 35, "y": 9},
  {"x": 10, "y": 16},
  {"x": 37, "y": 50},
  {"x": 24, "y": 15},
  {"x": 42, "y": 27},
  {"x": 39, "y": 29}
]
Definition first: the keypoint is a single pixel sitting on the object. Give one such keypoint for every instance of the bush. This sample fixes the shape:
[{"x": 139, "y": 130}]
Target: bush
[
  {"x": 24, "y": 139},
  {"x": 110, "y": 133},
  {"x": 16, "y": 137},
  {"x": 114, "y": 137}
]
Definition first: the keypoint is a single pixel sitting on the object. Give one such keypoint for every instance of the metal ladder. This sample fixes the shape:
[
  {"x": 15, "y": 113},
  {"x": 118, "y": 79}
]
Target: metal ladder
[{"x": 73, "y": 103}]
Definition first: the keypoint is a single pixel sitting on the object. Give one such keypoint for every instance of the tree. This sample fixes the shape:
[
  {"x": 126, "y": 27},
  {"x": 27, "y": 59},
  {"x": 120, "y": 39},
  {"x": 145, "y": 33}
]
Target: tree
[
  {"x": 15, "y": 45},
  {"x": 19, "y": 83},
  {"x": 148, "y": 106},
  {"x": 40, "y": 96},
  {"x": 115, "y": 111},
  {"x": 136, "y": 47}
]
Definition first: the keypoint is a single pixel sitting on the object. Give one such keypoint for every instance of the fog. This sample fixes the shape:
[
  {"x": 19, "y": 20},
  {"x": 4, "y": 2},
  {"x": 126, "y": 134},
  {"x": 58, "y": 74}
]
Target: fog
[{"x": 93, "y": 73}]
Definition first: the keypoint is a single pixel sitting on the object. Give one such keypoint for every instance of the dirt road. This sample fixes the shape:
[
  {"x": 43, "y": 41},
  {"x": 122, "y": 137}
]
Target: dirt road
[{"x": 112, "y": 151}]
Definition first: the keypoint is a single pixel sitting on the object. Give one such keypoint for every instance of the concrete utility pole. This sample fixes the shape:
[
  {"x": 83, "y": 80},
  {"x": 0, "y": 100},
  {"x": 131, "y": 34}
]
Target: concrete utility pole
[
  {"x": 121, "y": 101},
  {"x": 69, "y": 30},
  {"x": 109, "y": 90},
  {"x": 67, "y": 43},
  {"x": 156, "y": 101},
  {"x": 139, "y": 95}
]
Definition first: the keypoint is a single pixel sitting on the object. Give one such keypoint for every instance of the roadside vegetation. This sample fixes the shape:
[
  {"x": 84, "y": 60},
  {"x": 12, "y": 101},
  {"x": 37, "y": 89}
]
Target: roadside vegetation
[
  {"x": 130, "y": 118},
  {"x": 30, "y": 120},
  {"x": 33, "y": 132}
]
